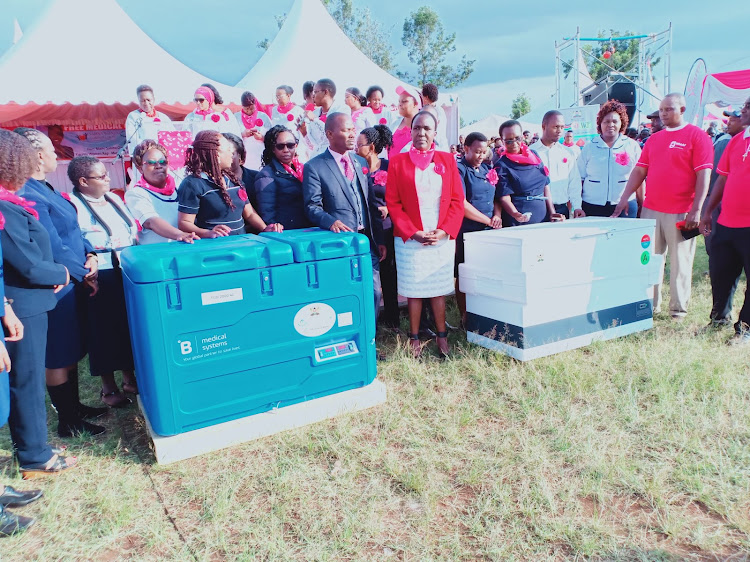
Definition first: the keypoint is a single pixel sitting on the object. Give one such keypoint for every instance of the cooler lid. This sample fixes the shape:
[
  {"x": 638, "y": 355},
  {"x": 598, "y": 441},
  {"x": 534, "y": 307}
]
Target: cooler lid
[
  {"x": 567, "y": 230},
  {"x": 159, "y": 262},
  {"x": 315, "y": 244}
]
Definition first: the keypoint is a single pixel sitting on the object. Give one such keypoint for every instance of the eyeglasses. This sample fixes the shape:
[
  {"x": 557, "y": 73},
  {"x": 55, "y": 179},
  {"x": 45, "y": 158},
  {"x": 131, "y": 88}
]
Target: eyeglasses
[
  {"x": 513, "y": 141},
  {"x": 199, "y": 100},
  {"x": 162, "y": 162},
  {"x": 363, "y": 145},
  {"x": 100, "y": 178},
  {"x": 283, "y": 145}
]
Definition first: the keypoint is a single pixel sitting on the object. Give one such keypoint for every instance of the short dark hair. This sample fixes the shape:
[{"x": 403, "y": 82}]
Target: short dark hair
[
  {"x": 380, "y": 136},
  {"x": 287, "y": 89},
  {"x": 333, "y": 119},
  {"x": 356, "y": 93},
  {"x": 217, "y": 96},
  {"x": 549, "y": 115},
  {"x": 247, "y": 98},
  {"x": 372, "y": 89},
  {"x": 143, "y": 88},
  {"x": 430, "y": 91},
  {"x": 507, "y": 125},
  {"x": 140, "y": 151},
  {"x": 328, "y": 85},
  {"x": 269, "y": 143},
  {"x": 18, "y": 159},
  {"x": 425, "y": 112},
  {"x": 471, "y": 138},
  {"x": 80, "y": 167},
  {"x": 307, "y": 88},
  {"x": 239, "y": 146}
]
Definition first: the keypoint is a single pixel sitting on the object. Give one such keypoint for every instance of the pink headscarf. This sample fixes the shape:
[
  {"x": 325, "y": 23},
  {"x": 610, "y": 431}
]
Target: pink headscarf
[
  {"x": 209, "y": 95},
  {"x": 411, "y": 92}
]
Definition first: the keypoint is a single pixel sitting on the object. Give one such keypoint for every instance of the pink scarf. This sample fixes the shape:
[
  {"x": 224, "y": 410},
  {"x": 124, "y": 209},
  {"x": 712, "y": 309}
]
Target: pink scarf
[
  {"x": 285, "y": 108},
  {"x": 401, "y": 138},
  {"x": 209, "y": 95},
  {"x": 568, "y": 143},
  {"x": 422, "y": 158},
  {"x": 11, "y": 197},
  {"x": 151, "y": 115},
  {"x": 251, "y": 121},
  {"x": 378, "y": 111},
  {"x": 526, "y": 157},
  {"x": 356, "y": 114},
  {"x": 167, "y": 190},
  {"x": 296, "y": 169}
]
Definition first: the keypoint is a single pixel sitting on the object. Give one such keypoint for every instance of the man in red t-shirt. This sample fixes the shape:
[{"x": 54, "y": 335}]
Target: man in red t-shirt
[
  {"x": 677, "y": 162},
  {"x": 730, "y": 244}
]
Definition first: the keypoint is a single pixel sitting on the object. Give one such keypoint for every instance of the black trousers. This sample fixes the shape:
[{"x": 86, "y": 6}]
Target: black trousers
[
  {"x": 28, "y": 412},
  {"x": 389, "y": 284},
  {"x": 563, "y": 210},
  {"x": 730, "y": 254}
]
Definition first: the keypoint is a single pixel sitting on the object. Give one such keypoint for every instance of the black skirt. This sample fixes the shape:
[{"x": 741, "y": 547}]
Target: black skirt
[
  {"x": 108, "y": 333},
  {"x": 66, "y": 331}
]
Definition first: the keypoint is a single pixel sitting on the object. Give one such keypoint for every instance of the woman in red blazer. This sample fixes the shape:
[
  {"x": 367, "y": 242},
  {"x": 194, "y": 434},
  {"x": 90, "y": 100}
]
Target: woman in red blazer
[{"x": 425, "y": 200}]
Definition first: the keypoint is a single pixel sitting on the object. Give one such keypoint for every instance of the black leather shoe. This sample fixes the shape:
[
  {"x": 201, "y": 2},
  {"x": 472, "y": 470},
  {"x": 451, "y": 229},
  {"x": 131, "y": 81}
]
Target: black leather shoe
[
  {"x": 90, "y": 412},
  {"x": 10, "y": 523},
  {"x": 13, "y": 498}
]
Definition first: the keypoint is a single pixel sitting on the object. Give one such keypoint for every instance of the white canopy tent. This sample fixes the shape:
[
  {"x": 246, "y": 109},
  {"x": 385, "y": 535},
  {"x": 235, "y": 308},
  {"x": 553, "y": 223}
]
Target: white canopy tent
[
  {"x": 82, "y": 32},
  {"x": 310, "y": 46},
  {"x": 490, "y": 125}
]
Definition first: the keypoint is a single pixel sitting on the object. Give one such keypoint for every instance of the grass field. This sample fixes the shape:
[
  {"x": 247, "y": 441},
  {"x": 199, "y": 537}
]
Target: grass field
[{"x": 633, "y": 449}]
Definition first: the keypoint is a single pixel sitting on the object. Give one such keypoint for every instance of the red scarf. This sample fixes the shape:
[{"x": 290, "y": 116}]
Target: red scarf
[
  {"x": 285, "y": 108},
  {"x": 167, "y": 190},
  {"x": 296, "y": 169},
  {"x": 151, "y": 115},
  {"x": 526, "y": 157},
  {"x": 378, "y": 111},
  {"x": 251, "y": 121},
  {"x": 568, "y": 144},
  {"x": 11, "y": 197},
  {"x": 422, "y": 158}
]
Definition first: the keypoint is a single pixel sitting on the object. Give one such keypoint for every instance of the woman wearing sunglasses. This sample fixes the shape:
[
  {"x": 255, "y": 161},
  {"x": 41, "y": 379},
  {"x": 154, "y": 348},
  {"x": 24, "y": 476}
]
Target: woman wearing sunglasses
[
  {"x": 153, "y": 199},
  {"x": 523, "y": 181},
  {"x": 278, "y": 185},
  {"x": 108, "y": 226},
  {"x": 207, "y": 117}
]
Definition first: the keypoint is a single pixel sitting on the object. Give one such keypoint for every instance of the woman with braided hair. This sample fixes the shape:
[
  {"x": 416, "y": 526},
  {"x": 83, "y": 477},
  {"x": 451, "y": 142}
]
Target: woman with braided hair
[{"x": 212, "y": 201}]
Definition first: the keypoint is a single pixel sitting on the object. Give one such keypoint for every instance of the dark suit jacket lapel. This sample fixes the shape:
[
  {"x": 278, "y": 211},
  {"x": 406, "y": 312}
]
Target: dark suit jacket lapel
[
  {"x": 364, "y": 184},
  {"x": 336, "y": 171}
]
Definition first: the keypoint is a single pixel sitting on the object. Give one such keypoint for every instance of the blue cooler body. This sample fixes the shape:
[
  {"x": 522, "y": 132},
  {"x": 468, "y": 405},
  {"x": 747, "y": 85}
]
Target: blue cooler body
[{"x": 235, "y": 326}]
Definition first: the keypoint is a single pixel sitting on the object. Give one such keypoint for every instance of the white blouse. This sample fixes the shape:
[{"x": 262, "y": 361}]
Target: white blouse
[
  {"x": 139, "y": 127},
  {"x": 222, "y": 121},
  {"x": 605, "y": 171},
  {"x": 253, "y": 146},
  {"x": 110, "y": 230}
]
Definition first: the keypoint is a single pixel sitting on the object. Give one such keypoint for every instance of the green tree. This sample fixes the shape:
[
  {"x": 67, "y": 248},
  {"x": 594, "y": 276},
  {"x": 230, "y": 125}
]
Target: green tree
[
  {"x": 624, "y": 59},
  {"x": 520, "y": 106},
  {"x": 368, "y": 34},
  {"x": 265, "y": 43},
  {"x": 427, "y": 46}
]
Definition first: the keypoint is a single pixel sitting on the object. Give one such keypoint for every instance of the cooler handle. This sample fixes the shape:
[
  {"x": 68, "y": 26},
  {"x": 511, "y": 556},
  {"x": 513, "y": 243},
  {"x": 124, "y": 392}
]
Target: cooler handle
[
  {"x": 608, "y": 233},
  {"x": 330, "y": 246}
]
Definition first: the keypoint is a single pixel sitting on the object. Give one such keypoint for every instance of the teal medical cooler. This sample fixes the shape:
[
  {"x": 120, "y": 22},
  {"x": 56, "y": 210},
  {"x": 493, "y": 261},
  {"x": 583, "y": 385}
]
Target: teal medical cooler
[{"x": 231, "y": 327}]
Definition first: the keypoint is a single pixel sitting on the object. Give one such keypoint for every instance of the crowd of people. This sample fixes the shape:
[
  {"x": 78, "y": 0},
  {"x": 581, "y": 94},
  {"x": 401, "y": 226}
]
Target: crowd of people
[{"x": 346, "y": 166}]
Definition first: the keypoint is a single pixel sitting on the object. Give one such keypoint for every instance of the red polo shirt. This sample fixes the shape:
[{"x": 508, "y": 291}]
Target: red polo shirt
[
  {"x": 735, "y": 165},
  {"x": 672, "y": 158}
]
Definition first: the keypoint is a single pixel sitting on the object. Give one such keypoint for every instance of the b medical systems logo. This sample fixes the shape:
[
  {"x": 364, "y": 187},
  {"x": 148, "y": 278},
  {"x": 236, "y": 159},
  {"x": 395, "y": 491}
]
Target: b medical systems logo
[{"x": 675, "y": 144}]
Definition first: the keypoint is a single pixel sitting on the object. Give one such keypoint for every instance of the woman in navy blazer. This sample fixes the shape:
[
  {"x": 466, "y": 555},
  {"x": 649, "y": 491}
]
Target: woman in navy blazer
[
  {"x": 31, "y": 280},
  {"x": 66, "y": 341},
  {"x": 278, "y": 185}
]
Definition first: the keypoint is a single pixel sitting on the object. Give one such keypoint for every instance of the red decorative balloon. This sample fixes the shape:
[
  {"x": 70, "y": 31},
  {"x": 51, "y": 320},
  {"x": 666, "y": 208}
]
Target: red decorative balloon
[{"x": 607, "y": 54}]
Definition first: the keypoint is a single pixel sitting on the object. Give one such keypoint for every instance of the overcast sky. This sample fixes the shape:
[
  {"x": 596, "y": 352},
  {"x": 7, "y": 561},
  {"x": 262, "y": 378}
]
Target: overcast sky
[{"x": 512, "y": 42}]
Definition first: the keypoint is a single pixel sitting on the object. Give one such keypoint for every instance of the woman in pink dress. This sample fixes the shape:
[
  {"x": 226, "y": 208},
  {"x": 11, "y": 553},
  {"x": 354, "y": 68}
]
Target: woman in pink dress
[{"x": 409, "y": 104}]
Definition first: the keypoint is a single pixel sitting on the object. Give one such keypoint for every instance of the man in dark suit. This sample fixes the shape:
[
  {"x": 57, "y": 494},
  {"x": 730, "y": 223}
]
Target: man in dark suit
[{"x": 338, "y": 196}]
